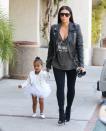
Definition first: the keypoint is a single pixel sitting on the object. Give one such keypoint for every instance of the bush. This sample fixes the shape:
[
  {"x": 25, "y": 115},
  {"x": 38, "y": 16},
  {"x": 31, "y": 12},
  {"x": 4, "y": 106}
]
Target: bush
[
  {"x": 6, "y": 39},
  {"x": 97, "y": 14}
]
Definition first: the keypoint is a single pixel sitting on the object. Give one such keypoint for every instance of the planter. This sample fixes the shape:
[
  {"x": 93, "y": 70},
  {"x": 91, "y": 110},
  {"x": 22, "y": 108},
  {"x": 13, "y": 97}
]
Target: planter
[
  {"x": 23, "y": 59},
  {"x": 4, "y": 69},
  {"x": 98, "y": 56},
  {"x": 1, "y": 69}
]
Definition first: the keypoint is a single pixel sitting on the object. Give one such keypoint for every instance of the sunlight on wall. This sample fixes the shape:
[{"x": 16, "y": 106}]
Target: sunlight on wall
[{"x": 4, "y": 5}]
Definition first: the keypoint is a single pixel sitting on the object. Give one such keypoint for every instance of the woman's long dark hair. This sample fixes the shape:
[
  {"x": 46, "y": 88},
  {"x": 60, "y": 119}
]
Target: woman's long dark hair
[{"x": 70, "y": 11}]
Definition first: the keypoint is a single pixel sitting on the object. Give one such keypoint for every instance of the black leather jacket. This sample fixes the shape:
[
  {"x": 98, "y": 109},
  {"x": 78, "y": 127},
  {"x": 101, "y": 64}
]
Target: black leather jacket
[{"x": 75, "y": 44}]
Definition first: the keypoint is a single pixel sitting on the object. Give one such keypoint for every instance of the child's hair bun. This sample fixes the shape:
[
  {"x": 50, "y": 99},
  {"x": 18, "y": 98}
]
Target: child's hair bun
[{"x": 37, "y": 58}]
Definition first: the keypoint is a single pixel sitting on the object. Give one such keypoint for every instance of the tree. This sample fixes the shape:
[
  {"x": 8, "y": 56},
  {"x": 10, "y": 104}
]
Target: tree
[
  {"x": 97, "y": 15},
  {"x": 49, "y": 15}
]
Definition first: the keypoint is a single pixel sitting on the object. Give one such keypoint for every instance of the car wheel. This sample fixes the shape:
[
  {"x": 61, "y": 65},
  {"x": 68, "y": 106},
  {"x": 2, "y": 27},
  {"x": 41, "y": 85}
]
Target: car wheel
[{"x": 104, "y": 94}]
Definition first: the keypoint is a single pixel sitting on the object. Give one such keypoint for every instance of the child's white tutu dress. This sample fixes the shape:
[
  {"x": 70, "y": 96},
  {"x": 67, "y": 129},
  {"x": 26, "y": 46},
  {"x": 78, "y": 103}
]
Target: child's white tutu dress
[{"x": 36, "y": 84}]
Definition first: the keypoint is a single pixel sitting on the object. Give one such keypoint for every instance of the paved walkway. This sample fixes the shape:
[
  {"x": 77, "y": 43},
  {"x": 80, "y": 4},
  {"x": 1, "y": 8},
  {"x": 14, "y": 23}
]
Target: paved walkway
[{"x": 15, "y": 107}]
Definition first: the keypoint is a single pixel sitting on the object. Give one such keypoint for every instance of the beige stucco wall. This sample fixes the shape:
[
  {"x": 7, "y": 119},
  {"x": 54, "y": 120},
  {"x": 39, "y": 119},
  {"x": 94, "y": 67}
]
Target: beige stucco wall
[
  {"x": 4, "y": 5},
  {"x": 82, "y": 15},
  {"x": 25, "y": 17}
]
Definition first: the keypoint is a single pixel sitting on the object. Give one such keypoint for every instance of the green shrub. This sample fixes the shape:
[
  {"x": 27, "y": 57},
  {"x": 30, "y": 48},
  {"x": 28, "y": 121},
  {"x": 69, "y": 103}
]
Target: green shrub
[
  {"x": 6, "y": 39},
  {"x": 97, "y": 15}
]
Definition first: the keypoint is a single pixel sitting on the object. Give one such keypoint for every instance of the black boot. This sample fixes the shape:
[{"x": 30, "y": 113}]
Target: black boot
[
  {"x": 61, "y": 120},
  {"x": 67, "y": 115}
]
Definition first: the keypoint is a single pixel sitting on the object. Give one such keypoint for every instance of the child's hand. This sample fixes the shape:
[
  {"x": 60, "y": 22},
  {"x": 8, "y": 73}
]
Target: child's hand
[
  {"x": 47, "y": 69},
  {"x": 19, "y": 86}
]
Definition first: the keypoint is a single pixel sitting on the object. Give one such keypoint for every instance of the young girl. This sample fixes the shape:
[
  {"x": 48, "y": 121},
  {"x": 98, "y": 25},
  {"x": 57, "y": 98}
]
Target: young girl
[{"x": 37, "y": 86}]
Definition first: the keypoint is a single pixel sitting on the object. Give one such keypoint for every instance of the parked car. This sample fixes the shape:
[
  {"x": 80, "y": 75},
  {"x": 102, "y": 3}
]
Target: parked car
[{"x": 101, "y": 84}]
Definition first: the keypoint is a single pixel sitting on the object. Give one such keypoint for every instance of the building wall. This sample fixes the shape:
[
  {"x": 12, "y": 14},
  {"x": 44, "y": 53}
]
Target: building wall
[
  {"x": 29, "y": 15},
  {"x": 4, "y": 5},
  {"x": 82, "y": 15},
  {"x": 25, "y": 17}
]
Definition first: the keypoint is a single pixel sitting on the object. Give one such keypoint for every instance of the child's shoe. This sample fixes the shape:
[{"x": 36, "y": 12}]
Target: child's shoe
[
  {"x": 34, "y": 115},
  {"x": 42, "y": 115}
]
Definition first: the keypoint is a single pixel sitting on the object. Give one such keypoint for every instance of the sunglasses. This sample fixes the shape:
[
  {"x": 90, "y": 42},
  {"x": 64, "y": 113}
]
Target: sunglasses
[{"x": 64, "y": 14}]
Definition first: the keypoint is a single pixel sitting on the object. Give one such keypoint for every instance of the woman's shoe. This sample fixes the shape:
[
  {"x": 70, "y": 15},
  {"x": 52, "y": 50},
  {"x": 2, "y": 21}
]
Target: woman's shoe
[
  {"x": 67, "y": 115},
  {"x": 61, "y": 122},
  {"x": 67, "y": 121}
]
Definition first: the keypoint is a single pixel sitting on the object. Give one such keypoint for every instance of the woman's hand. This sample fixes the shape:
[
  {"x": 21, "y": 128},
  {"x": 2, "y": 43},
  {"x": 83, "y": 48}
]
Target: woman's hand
[
  {"x": 82, "y": 69},
  {"x": 19, "y": 86}
]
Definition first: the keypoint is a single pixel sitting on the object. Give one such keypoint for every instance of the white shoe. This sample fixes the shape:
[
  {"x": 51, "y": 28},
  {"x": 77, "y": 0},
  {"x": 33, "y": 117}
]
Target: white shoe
[
  {"x": 42, "y": 115},
  {"x": 34, "y": 115},
  {"x": 102, "y": 114}
]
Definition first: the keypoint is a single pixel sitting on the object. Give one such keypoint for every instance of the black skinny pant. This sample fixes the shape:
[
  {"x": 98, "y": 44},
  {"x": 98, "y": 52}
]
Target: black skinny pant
[{"x": 60, "y": 82}]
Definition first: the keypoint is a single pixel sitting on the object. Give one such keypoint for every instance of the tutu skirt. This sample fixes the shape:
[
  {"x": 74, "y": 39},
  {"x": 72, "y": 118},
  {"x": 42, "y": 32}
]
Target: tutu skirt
[{"x": 39, "y": 91}]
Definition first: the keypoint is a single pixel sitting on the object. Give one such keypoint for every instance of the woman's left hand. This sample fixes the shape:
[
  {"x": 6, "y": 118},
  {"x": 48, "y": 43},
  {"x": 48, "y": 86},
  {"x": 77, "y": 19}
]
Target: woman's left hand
[{"x": 82, "y": 69}]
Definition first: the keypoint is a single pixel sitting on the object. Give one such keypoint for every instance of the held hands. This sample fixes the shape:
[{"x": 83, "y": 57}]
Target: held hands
[{"x": 47, "y": 69}]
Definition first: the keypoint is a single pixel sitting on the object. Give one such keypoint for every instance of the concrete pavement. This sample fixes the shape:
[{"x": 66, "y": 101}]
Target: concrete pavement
[{"x": 15, "y": 106}]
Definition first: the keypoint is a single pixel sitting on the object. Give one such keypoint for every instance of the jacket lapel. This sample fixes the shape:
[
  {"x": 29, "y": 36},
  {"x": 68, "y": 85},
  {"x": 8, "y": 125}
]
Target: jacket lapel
[{"x": 72, "y": 33}]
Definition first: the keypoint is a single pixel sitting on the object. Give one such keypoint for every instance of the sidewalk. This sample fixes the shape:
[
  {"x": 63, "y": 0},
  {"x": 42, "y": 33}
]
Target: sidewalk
[{"x": 15, "y": 107}]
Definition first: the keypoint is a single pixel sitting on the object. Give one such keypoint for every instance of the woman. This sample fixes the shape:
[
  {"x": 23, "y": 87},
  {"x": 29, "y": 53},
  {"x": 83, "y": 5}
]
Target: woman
[{"x": 65, "y": 54}]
